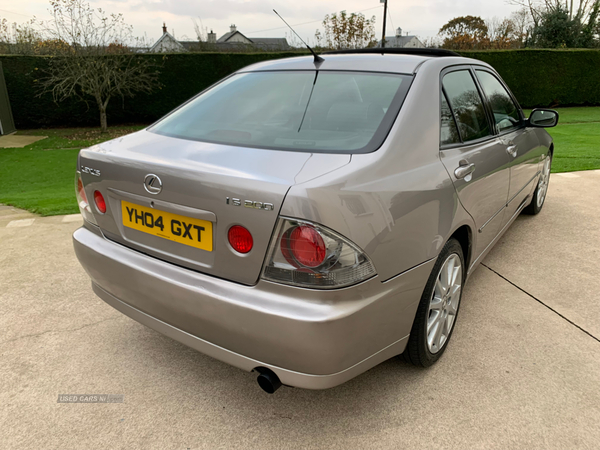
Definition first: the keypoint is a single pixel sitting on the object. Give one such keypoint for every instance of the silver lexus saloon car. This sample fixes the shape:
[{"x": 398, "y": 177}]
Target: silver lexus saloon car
[{"x": 308, "y": 218}]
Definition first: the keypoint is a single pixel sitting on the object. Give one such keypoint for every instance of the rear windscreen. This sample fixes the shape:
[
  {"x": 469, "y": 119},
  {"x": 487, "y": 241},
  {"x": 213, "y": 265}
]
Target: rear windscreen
[{"x": 345, "y": 112}]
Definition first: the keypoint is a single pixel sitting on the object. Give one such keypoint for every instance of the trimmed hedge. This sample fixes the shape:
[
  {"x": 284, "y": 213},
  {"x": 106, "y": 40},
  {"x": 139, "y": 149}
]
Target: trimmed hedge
[
  {"x": 537, "y": 78},
  {"x": 182, "y": 76},
  {"x": 547, "y": 77}
]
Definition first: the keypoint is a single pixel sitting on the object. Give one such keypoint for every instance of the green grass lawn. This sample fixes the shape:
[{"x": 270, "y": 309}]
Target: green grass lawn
[
  {"x": 40, "y": 177},
  {"x": 576, "y": 139},
  {"x": 582, "y": 114}
]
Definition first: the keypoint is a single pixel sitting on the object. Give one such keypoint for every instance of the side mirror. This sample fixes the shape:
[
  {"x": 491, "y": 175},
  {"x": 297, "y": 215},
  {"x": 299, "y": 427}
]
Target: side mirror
[{"x": 542, "y": 118}]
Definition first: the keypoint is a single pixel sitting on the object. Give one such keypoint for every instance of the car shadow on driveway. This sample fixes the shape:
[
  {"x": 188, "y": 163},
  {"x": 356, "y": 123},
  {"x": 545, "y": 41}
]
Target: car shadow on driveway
[{"x": 497, "y": 369}]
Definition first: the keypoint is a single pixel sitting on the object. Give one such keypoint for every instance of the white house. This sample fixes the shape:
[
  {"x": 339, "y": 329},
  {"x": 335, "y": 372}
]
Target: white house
[
  {"x": 235, "y": 37},
  {"x": 400, "y": 41},
  {"x": 167, "y": 43},
  {"x": 234, "y": 40}
]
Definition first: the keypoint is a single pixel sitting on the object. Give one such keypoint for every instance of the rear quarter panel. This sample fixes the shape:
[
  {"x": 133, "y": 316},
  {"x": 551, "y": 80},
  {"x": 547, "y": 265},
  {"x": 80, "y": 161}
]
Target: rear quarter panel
[{"x": 397, "y": 203}]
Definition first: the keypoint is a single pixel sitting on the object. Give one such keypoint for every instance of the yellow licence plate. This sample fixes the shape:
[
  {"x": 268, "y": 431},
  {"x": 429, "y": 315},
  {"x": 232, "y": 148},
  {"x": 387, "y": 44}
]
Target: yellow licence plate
[{"x": 185, "y": 230}]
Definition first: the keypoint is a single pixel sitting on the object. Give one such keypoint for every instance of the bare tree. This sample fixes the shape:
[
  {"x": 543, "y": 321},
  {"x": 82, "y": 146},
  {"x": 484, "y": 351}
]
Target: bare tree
[
  {"x": 523, "y": 23},
  {"x": 294, "y": 42},
  {"x": 5, "y": 37},
  {"x": 21, "y": 39},
  {"x": 93, "y": 60},
  {"x": 200, "y": 30},
  {"x": 344, "y": 30},
  {"x": 433, "y": 42}
]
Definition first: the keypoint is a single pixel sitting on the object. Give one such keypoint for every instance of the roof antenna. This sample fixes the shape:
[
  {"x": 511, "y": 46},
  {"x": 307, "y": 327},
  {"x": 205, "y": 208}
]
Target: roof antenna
[{"x": 318, "y": 60}]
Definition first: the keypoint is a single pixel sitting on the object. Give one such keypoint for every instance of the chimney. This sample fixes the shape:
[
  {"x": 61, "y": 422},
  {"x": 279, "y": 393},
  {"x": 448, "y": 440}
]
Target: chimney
[
  {"x": 398, "y": 32},
  {"x": 232, "y": 28},
  {"x": 164, "y": 28},
  {"x": 212, "y": 37}
]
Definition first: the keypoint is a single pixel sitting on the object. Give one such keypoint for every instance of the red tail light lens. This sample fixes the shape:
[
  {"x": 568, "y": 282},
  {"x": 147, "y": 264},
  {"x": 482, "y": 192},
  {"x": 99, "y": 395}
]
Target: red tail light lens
[
  {"x": 100, "y": 203},
  {"x": 82, "y": 201},
  {"x": 240, "y": 239},
  {"x": 307, "y": 246},
  {"x": 80, "y": 190},
  {"x": 310, "y": 255}
]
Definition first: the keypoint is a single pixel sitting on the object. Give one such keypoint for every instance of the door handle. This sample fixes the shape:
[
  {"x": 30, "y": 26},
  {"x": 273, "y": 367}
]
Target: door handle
[
  {"x": 464, "y": 170},
  {"x": 512, "y": 150}
]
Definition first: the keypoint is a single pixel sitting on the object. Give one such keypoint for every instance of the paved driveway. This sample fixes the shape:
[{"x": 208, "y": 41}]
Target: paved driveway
[{"x": 522, "y": 371}]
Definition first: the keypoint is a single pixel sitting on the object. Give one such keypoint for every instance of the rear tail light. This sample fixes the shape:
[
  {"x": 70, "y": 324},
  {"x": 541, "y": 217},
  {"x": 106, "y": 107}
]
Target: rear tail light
[
  {"x": 310, "y": 255},
  {"x": 240, "y": 239},
  {"x": 100, "y": 203},
  {"x": 80, "y": 190},
  {"x": 82, "y": 201},
  {"x": 303, "y": 246}
]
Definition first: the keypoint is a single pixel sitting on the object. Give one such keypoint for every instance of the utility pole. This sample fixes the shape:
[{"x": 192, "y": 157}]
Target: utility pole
[{"x": 384, "y": 17}]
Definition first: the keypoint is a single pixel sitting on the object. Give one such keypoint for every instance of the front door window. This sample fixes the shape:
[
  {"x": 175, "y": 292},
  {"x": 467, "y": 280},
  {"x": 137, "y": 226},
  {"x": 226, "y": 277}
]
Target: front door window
[
  {"x": 467, "y": 105},
  {"x": 506, "y": 112}
]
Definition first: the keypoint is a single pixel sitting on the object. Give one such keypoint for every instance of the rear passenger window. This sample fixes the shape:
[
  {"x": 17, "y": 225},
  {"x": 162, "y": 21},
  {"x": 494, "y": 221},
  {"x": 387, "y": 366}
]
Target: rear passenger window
[
  {"x": 506, "y": 113},
  {"x": 467, "y": 105},
  {"x": 449, "y": 132}
]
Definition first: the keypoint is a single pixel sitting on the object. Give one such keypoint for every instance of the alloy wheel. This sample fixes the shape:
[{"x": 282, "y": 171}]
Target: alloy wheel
[
  {"x": 543, "y": 184},
  {"x": 443, "y": 305}
]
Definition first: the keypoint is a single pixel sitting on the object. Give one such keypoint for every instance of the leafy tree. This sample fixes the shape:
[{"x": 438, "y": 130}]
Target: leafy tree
[
  {"x": 347, "y": 31},
  {"x": 92, "y": 58},
  {"x": 51, "y": 47},
  {"x": 502, "y": 34},
  {"x": 474, "y": 33},
  {"x": 465, "y": 33},
  {"x": 563, "y": 23},
  {"x": 576, "y": 9},
  {"x": 556, "y": 28}
]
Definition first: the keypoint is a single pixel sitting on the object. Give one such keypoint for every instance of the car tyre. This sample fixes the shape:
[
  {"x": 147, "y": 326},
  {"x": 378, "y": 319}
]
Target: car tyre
[
  {"x": 438, "y": 307},
  {"x": 541, "y": 190}
]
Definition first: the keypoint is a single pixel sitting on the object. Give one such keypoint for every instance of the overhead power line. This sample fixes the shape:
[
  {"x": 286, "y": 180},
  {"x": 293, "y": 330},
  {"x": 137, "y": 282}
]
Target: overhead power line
[
  {"x": 12, "y": 12},
  {"x": 390, "y": 17},
  {"x": 305, "y": 23}
]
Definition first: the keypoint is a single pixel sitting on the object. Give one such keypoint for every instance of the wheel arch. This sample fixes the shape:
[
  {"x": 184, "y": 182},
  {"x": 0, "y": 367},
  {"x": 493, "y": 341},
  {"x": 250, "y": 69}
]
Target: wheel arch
[{"x": 464, "y": 236}]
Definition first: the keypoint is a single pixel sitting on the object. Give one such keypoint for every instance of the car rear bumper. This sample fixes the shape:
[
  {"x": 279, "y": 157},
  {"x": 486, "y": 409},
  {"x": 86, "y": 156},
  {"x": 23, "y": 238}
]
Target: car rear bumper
[{"x": 311, "y": 339}]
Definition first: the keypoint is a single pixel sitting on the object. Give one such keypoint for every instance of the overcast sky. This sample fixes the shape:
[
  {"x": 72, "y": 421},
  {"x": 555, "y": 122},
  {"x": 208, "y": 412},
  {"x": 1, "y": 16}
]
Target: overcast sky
[{"x": 255, "y": 17}]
